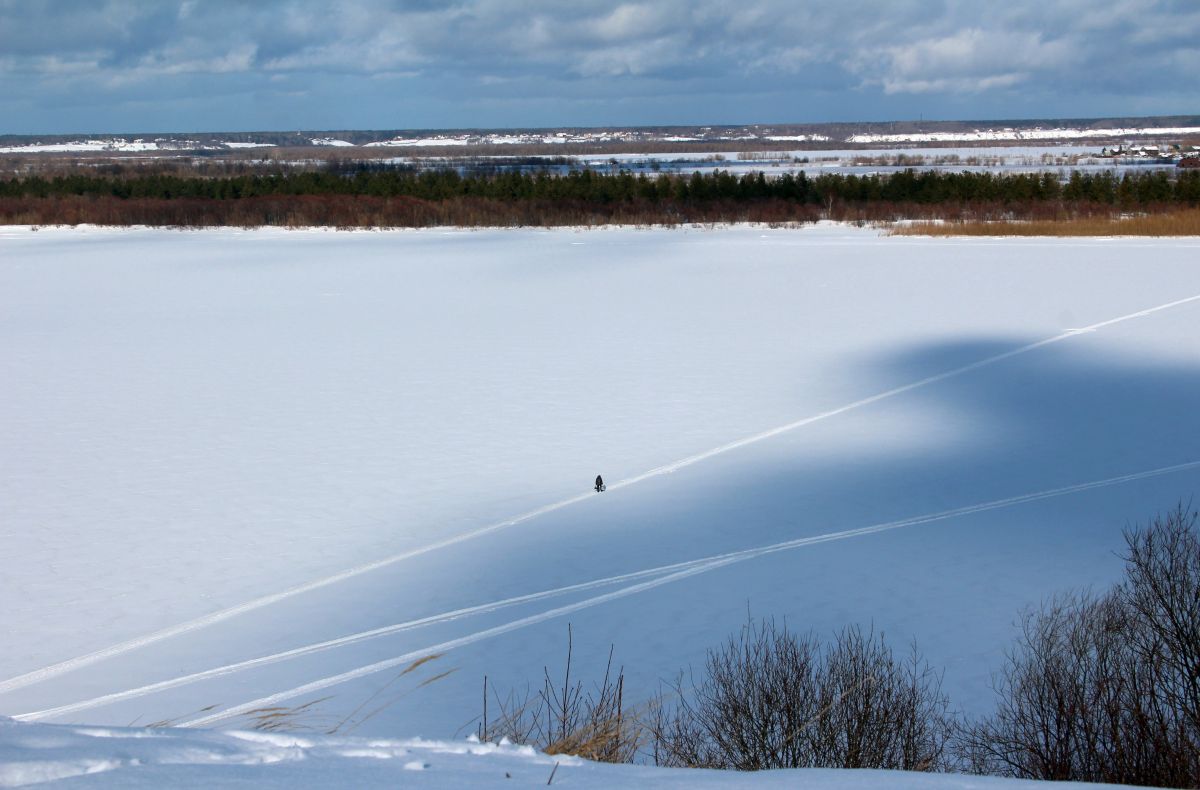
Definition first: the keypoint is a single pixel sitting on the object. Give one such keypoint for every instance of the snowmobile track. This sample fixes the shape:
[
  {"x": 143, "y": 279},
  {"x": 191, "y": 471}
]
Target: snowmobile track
[
  {"x": 698, "y": 567},
  {"x": 54, "y": 670},
  {"x": 673, "y": 572}
]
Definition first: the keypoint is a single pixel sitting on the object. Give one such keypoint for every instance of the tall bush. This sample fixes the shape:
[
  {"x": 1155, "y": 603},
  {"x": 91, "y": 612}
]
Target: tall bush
[
  {"x": 1106, "y": 688},
  {"x": 769, "y": 698}
]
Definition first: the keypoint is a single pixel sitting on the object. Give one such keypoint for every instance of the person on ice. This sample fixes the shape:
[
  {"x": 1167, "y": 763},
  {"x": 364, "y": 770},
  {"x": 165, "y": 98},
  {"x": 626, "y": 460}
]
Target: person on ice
[{"x": 599, "y": 484}]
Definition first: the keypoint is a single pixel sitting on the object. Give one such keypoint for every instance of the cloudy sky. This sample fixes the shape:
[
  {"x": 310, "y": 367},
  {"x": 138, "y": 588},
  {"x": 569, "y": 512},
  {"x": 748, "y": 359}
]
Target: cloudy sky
[{"x": 74, "y": 66}]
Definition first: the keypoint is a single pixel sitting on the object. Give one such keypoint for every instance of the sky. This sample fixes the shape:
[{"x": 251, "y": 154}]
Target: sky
[{"x": 80, "y": 66}]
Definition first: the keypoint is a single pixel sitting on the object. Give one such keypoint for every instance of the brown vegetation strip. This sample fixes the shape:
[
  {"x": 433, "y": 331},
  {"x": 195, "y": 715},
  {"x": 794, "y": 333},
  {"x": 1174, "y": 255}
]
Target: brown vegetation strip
[
  {"x": 1185, "y": 222},
  {"x": 365, "y": 211}
]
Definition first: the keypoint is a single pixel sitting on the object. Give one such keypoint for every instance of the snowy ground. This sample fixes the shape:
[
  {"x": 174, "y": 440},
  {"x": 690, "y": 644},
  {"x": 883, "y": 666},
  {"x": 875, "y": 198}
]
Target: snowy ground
[
  {"x": 1063, "y": 158},
  {"x": 111, "y": 757},
  {"x": 992, "y": 134},
  {"x": 241, "y": 468},
  {"x": 894, "y": 157},
  {"x": 1039, "y": 133},
  {"x": 139, "y": 145}
]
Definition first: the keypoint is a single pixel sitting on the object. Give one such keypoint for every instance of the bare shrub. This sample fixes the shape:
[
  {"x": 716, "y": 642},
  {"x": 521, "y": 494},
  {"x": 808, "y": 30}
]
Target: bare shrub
[
  {"x": 561, "y": 718},
  {"x": 1105, "y": 688},
  {"x": 1162, "y": 590},
  {"x": 769, "y": 698},
  {"x": 748, "y": 712},
  {"x": 1062, "y": 695}
]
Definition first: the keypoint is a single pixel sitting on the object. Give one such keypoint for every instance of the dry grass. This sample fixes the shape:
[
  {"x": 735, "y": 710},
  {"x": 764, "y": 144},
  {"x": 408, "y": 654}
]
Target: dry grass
[
  {"x": 563, "y": 719},
  {"x": 615, "y": 739},
  {"x": 1185, "y": 222},
  {"x": 312, "y": 717},
  {"x": 282, "y": 718}
]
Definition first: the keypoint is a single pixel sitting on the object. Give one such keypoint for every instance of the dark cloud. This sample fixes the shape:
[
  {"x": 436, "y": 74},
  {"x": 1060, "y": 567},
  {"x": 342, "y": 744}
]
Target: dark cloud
[{"x": 373, "y": 63}]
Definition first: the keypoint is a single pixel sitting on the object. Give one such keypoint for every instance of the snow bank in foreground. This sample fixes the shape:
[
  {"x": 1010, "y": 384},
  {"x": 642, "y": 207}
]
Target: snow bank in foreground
[{"x": 35, "y": 754}]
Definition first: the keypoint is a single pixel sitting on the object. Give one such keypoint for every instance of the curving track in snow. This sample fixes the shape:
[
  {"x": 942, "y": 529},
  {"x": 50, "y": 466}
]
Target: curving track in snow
[{"x": 668, "y": 573}]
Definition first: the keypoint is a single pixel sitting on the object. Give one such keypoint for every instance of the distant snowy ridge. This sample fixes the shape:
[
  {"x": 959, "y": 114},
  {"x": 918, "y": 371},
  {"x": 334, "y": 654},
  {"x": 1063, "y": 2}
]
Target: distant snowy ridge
[
  {"x": 800, "y": 138},
  {"x": 601, "y": 136},
  {"x": 120, "y": 144},
  {"x": 520, "y": 138},
  {"x": 705, "y": 135},
  {"x": 983, "y": 135}
]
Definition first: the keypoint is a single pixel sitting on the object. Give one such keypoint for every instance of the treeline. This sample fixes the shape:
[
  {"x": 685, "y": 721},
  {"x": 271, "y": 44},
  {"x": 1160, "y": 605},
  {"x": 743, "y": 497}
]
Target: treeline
[
  {"x": 908, "y": 186},
  {"x": 366, "y": 211},
  {"x": 374, "y": 196}
]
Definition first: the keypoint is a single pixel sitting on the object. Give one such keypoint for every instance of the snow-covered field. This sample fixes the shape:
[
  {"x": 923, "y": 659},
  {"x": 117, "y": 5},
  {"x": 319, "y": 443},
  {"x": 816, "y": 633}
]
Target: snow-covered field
[
  {"x": 127, "y": 145},
  {"x": 1008, "y": 133},
  {"x": 983, "y": 134},
  {"x": 995, "y": 155},
  {"x": 815, "y": 162},
  {"x": 113, "y": 757},
  {"x": 871, "y": 161},
  {"x": 241, "y": 468}
]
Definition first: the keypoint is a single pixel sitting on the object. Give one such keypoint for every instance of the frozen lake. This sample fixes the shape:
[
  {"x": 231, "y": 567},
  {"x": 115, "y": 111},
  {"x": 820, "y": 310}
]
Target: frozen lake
[{"x": 220, "y": 446}]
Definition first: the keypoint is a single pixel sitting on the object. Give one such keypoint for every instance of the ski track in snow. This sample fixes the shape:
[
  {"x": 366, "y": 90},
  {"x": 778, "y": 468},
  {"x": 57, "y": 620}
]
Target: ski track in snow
[
  {"x": 703, "y": 567},
  {"x": 54, "y": 670},
  {"x": 676, "y": 571}
]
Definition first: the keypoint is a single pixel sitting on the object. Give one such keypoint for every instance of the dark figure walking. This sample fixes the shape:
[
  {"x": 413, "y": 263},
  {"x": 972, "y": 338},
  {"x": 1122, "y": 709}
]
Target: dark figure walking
[{"x": 599, "y": 484}]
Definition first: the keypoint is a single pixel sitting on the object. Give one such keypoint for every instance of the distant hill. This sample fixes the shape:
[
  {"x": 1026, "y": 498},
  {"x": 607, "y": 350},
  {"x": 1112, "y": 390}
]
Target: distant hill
[{"x": 569, "y": 140}]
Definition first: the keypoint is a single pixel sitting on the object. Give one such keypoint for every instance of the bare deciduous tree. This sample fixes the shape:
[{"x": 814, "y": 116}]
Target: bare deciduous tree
[
  {"x": 1162, "y": 590},
  {"x": 1106, "y": 688},
  {"x": 772, "y": 699}
]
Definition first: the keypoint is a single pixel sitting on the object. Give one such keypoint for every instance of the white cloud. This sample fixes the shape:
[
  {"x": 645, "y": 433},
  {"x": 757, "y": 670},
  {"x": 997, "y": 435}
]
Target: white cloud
[
  {"x": 181, "y": 60},
  {"x": 955, "y": 50},
  {"x": 789, "y": 60},
  {"x": 628, "y": 22},
  {"x": 640, "y": 58},
  {"x": 969, "y": 60}
]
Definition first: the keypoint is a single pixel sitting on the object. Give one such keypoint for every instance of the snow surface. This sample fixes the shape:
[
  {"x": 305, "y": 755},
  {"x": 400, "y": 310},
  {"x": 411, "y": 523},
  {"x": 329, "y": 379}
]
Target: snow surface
[
  {"x": 120, "y": 144},
  {"x": 1001, "y": 154},
  {"x": 1057, "y": 133},
  {"x": 1063, "y": 158},
  {"x": 976, "y": 135},
  {"x": 526, "y": 138},
  {"x": 798, "y": 138},
  {"x": 517, "y": 137},
  {"x": 114, "y": 757},
  {"x": 242, "y": 468},
  {"x": 421, "y": 141},
  {"x": 82, "y": 145}
]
